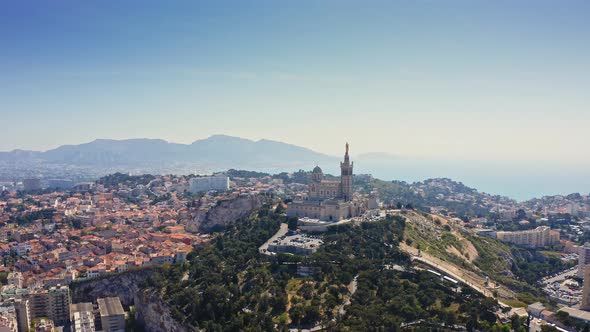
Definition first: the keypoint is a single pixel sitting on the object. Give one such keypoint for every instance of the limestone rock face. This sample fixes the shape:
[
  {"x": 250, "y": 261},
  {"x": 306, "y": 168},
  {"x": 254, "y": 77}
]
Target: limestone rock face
[
  {"x": 150, "y": 309},
  {"x": 225, "y": 212},
  {"x": 124, "y": 285},
  {"x": 155, "y": 315}
]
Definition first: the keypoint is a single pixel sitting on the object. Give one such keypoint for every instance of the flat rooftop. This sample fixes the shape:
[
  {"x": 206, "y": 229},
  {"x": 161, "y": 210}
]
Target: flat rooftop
[
  {"x": 81, "y": 307},
  {"x": 110, "y": 306},
  {"x": 577, "y": 313}
]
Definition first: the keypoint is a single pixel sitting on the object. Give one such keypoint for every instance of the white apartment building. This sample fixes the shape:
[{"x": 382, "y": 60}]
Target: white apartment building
[
  {"x": 541, "y": 236},
  {"x": 218, "y": 182}
]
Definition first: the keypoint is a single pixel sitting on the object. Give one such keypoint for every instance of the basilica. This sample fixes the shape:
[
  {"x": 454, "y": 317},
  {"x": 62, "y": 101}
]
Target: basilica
[{"x": 329, "y": 200}]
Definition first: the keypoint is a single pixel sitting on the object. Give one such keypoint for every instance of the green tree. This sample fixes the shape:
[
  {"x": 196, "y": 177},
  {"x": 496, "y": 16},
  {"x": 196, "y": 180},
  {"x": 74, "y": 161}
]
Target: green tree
[{"x": 292, "y": 222}]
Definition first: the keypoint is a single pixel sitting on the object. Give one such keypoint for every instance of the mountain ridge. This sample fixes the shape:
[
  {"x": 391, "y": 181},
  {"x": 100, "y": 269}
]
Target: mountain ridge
[{"x": 215, "y": 151}]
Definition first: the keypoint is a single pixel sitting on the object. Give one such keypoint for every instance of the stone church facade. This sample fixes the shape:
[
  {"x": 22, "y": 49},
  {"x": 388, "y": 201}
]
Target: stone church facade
[{"x": 329, "y": 200}]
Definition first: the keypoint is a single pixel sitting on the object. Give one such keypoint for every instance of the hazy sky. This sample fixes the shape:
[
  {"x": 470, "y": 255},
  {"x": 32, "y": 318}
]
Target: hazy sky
[{"x": 480, "y": 80}]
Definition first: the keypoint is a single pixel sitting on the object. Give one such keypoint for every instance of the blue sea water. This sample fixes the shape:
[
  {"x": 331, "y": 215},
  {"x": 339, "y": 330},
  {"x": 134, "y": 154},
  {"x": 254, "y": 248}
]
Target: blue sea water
[{"x": 520, "y": 181}]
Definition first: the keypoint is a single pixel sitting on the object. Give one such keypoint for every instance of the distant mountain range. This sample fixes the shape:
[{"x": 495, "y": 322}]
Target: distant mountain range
[{"x": 218, "y": 151}]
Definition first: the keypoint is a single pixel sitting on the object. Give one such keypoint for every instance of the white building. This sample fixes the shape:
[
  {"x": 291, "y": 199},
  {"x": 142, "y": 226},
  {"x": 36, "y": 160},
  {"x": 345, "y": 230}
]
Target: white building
[
  {"x": 218, "y": 182},
  {"x": 23, "y": 248},
  {"x": 82, "y": 317},
  {"x": 541, "y": 236},
  {"x": 112, "y": 314},
  {"x": 8, "y": 321},
  {"x": 15, "y": 279}
]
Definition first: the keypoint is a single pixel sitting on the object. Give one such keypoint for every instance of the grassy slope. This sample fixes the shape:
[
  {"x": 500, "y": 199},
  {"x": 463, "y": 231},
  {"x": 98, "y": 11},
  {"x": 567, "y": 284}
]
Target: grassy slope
[{"x": 494, "y": 258}]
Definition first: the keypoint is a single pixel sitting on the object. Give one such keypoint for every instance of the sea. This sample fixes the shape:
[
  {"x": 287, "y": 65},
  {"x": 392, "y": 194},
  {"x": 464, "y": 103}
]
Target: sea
[{"x": 519, "y": 180}]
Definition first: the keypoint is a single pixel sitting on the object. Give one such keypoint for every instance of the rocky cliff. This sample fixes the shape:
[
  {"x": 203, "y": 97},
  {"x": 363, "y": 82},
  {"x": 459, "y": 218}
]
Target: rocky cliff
[
  {"x": 225, "y": 212},
  {"x": 124, "y": 285},
  {"x": 151, "y": 311},
  {"x": 154, "y": 314}
]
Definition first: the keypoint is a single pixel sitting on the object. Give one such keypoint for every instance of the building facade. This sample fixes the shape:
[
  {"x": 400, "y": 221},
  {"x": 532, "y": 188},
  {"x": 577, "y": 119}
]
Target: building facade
[
  {"x": 52, "y": 303},
  {"x": 541, "y": 236},
  {"x": 583, "y": 258},
  {"x": 8, "y": 320},
  {"x": 15, "y": 279},
  {"x": 23, "y": 314},
  {"x": 585, "y": 303},
  {"x": 329, "y": 200},
  {"x": 218, "y": 182},
  {"x": 82, "y": 317},
  {"x": 112, "y": 315},
  {"x": 31, "y": 184}
]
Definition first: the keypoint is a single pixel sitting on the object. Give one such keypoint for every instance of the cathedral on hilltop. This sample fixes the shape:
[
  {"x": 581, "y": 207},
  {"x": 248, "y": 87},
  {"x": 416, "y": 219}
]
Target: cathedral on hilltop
[{"x": 329, "y": 200}]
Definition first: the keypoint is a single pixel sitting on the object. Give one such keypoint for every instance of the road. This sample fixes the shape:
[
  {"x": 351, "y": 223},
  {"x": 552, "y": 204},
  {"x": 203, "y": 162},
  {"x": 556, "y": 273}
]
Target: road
[
  {"x": 468, "y": 278},
  {"x": 282, "y": 231},
  {"x": 351, "y": 290}
]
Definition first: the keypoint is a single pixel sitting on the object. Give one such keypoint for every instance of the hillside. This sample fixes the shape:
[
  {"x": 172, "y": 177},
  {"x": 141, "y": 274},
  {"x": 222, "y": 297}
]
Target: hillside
[
  {"x": 476, "y": 257},
  {"x": 228, "y": 286},
  {"x": 447, "y": 196}
]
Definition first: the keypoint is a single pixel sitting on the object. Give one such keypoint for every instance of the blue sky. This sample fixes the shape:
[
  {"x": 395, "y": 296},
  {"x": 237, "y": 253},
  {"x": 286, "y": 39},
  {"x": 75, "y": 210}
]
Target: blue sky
[{"x": 463, "y": 80}]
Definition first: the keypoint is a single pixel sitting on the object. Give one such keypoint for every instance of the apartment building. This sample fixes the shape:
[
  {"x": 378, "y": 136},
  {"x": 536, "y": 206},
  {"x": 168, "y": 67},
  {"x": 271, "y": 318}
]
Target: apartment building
[
  {"x": 8, "y": 320},
  {"x": 112, "y": 315},
  {"x": 218, "y": 182},
  {"x": 82, "y": 317},
  {"x": 52, "y": 303},
  {"x": 541, "y": 236},
  {"x": 15, "y": 279},
  {"x": 23, "y": 314}
]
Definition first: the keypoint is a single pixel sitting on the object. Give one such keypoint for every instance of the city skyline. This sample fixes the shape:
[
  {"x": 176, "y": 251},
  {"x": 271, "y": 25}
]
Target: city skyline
[{"x": 498, "y": 81}]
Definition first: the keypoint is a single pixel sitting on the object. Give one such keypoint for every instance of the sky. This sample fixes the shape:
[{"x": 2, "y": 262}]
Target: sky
[{"x": 455, "y": 80}]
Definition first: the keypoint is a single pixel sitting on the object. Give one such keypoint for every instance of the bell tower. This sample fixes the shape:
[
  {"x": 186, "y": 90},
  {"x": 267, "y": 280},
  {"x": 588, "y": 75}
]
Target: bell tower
[{"x": 346, "y": 176}]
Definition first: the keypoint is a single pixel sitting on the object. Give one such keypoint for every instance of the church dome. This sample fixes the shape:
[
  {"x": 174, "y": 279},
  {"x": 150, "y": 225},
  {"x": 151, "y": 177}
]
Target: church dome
[{"x": 317, "y": 169}]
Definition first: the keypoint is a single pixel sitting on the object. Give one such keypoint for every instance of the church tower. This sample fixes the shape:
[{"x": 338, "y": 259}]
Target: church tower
[{"x": 346, "y": 177}]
